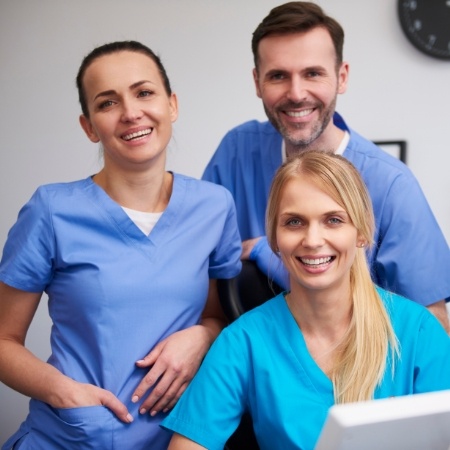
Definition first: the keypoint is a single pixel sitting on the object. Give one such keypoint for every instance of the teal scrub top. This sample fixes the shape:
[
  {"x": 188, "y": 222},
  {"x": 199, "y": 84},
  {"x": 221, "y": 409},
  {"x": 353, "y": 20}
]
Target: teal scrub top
[{"x": 260, "y": 363}]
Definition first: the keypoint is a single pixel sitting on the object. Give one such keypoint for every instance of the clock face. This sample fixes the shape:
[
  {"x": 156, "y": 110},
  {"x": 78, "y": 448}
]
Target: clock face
[{"x": 426, "y": 24}]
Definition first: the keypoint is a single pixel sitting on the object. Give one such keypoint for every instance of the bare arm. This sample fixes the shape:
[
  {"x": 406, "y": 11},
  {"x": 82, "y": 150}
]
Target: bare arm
[
  {"x": 439, "y": 309},
  {"x": 179, "y": 442},
  {"x": 23, "y": 372},
  {"x": 176, "y": 359}
]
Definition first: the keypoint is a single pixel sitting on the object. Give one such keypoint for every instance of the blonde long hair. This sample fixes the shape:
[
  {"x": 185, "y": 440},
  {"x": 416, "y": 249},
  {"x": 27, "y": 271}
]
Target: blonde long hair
[{"x": 360, "y": 365}]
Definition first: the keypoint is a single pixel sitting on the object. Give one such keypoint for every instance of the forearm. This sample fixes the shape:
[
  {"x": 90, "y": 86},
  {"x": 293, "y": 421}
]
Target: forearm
[
  {"x": 179, "y": 442},
  {"x": 27, "y": 374},
  {"x": 213, "y": 318},
  {"x": 439, "y": 310},
  {"x": 213, "y": 327}
]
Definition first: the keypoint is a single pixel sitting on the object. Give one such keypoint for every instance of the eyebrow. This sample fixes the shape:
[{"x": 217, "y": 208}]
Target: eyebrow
[
  {"x": 272, "y": 72},
  {"x": 283, "y": 71},
  {"x": 325, "y": 214},
  {"x": 113, "y": 92}
]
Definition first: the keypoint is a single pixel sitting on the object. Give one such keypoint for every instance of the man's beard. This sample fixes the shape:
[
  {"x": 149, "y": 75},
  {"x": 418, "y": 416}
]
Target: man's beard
[{"x": 288, "y": 132}]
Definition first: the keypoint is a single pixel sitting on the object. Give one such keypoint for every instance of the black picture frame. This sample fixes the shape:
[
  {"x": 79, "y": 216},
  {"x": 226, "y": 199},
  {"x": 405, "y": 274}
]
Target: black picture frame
[{"x": 398, "y": 149}]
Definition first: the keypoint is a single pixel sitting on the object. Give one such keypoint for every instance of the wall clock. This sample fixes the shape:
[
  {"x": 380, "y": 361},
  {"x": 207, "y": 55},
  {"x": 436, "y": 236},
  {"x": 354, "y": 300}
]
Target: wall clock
[{"x": 426, "y": 24}]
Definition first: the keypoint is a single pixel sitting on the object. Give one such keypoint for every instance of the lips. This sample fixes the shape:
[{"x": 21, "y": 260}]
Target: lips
[{"x": 137, "y": 134}]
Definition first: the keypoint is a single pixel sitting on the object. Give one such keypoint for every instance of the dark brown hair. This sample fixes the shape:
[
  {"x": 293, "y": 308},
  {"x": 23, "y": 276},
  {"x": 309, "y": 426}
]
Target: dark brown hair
[
  {"x": 298, "y": 17},
  {"x": 115, "y": 47}
]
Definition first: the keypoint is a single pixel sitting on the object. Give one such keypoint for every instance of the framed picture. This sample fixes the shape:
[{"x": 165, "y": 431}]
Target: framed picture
[{"x": 394, "y": 148}]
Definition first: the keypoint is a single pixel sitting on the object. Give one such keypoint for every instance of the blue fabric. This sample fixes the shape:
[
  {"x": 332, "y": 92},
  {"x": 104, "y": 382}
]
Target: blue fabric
[
  {"x": 114, "y": 293},
  {"x": 260, "y": 363},
  {"x": 411, "y": 256}
]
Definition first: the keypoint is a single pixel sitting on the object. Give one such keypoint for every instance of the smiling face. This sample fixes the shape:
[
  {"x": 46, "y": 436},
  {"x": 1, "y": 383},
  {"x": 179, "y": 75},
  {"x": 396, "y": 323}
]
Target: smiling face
[
  {"x": 130, "y": 112},
  {"x": 315, "y": 237},
  {"x": 298, "y": 82}
]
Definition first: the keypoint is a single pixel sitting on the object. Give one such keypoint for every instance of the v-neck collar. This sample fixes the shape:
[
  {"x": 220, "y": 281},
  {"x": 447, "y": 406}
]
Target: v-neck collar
[
  {"x": 115, "y": 213},
  {"x": 306, "y": 365}
]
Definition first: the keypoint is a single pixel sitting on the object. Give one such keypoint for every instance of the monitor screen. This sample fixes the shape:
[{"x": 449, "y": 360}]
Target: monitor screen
[{"x": 413, "y": 422}]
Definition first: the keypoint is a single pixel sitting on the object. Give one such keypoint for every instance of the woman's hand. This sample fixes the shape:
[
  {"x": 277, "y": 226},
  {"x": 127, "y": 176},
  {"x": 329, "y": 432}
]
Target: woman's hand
[
  {"x": 176, "y": 359},
  {"x": 24, "y": 372},
  {"x": 78, "y": 395},
  {"x": 174, "y": 362}
]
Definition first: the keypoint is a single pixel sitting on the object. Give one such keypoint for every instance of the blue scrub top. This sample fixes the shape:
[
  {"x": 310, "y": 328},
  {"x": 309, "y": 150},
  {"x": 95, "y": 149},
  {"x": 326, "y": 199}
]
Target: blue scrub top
[
  {"x": 260, "y": 363},
  {"x": 411, "y": 256},
  {"x": 114, "y": 293}
]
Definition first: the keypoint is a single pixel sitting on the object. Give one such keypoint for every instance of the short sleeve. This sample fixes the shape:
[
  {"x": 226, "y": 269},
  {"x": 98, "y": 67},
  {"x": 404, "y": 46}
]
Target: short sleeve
[
  {"x": 432, "y": 365},
  {"x": 28, "y": 254},
  {"x": 225, "y": 260},
  {"x": 216, "y": 392}
]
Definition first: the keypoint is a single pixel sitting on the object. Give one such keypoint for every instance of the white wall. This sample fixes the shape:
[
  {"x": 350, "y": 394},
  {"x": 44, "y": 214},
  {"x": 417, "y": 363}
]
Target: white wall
[{"x": 395, "y": 92}]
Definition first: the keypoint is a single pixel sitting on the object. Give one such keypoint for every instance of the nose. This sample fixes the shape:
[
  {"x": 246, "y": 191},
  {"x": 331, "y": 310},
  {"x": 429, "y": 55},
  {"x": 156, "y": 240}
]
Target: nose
[
  {"x": 313, "y": 237},
  {"x": 131, "y": 111},
  {"x": 296, "y": 91}
]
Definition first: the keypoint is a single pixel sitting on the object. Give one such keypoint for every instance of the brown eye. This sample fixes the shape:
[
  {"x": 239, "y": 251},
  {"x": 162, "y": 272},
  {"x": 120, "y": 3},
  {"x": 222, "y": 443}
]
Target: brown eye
[
  {"x": 145, "y": 93},
  {"x": 105, "y": 104}
]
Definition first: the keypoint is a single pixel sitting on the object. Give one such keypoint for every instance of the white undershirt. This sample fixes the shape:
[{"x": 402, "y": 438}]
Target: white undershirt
[
  {"x": 339, "y": 150},
  {"x": 144, "y": 221},
  {"x": 343, "y": 144}
]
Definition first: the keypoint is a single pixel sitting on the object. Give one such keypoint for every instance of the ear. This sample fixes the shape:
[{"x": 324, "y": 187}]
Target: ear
[
  {"x": 343, "y": 74},
  {"x": 88, "y": 129},
  {"x": 173, "y": 105},
  {"x": 256, "y": 80}
]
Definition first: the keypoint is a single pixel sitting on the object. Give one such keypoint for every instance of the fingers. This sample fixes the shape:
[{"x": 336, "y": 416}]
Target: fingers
[
  {"x": 111, "y": 402},
  {"x": 168, "y": 383},
  {"x": 148, "y": 381},
  {"x": 176, "y": 360},
  {"x": 151, "y": 358},
  {"x": 152, "y": 376},
  {"x": 90, "y": 395},
  {"x": 165, "y": 394},
  {"x": 174, "y": 400}
]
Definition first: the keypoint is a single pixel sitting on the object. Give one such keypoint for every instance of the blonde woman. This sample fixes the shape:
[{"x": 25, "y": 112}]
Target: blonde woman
[{"x": 335, "y": 337}]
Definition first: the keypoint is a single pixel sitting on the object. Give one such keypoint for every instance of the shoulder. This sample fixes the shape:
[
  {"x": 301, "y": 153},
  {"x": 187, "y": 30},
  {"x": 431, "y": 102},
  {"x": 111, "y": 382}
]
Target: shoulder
[
  {"x": 252, "y": 127},
  {"x": 261, "y": 319},
  {"x": 375, "y": 164},
  {"x": 396, "y": 303},
  {"x": 406, "y": 315},
  {"x": 203, "y": 190},
  {"x": 362, "y": 150},
  {"x": 371, "y": 160},
  {"x": 202, "y": 186},
  {"x": 249, "y": 143},
  {"x": 251, "y": 134},
  {"x": 66, "y": 188},
  {"x": 53, "y": 194}
]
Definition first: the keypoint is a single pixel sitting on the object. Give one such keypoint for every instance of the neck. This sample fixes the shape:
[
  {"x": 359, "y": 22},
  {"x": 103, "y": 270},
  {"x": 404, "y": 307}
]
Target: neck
[
  {"x": 326, "y": 313},
  {"x": 324, "y": 326},
  {"x": 145, "y": 192}
]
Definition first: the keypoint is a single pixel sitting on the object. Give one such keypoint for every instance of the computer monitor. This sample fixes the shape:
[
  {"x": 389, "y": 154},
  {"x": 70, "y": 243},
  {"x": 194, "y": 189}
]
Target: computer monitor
[{"x": 413, "y": 422}]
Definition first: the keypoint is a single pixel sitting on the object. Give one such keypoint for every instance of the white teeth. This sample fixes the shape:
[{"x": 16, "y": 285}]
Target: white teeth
[
  {"x": 303, "y": 113},
  {"x": 315, "y": 262},
  {"x": 138, "y": 134}
]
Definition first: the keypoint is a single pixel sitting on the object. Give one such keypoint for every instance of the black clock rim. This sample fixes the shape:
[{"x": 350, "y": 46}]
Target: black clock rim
[{"x": 411, "y": 37}]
